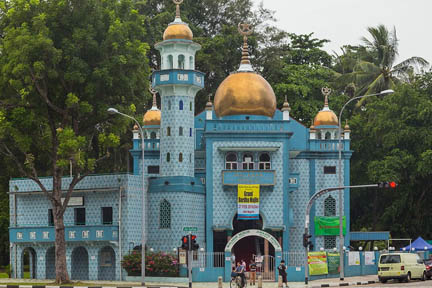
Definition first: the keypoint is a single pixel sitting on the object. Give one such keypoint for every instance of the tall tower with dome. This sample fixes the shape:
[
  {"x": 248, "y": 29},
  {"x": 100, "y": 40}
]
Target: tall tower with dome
[{"x": 177, "y": 83}]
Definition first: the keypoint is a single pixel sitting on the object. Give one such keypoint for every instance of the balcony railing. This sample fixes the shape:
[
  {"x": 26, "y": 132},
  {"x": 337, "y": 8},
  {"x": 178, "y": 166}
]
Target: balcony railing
[
  {"x": 235, "y": 177},
  {"x": 72, "y": 233}
]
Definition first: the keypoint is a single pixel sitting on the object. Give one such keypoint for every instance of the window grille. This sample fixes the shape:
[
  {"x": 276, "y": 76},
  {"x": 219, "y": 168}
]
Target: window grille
[
  {"x": 329, "y": 242},
  {"x": 330, "y": 206},
  {"x": 165, "y": 215},
  {"x": 329, "y": 169}
]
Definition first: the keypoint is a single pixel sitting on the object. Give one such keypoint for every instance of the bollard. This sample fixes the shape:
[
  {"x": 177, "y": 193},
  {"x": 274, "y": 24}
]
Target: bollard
[
  {"x": 280, "y": 282},
  {"x": 260, "y": 281},
  {"x": 220, "y": 282}
]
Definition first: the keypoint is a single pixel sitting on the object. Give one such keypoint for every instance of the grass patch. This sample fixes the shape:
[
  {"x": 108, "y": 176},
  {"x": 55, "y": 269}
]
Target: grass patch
[{"x": 4, "y": 275}]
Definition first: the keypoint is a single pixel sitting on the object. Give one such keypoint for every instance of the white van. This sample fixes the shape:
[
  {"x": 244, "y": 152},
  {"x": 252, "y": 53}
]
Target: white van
[{"x": 401, "y": 266}]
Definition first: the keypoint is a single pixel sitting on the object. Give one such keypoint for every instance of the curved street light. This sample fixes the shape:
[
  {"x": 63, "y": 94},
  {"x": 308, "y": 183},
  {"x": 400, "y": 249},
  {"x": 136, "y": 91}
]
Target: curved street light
[
  {"x": 143, "y": 197},
  {"x": 341, "y": 237}
]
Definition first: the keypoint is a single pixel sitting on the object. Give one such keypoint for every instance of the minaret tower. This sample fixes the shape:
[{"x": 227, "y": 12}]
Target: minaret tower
[{"x": 177, "y": 83}]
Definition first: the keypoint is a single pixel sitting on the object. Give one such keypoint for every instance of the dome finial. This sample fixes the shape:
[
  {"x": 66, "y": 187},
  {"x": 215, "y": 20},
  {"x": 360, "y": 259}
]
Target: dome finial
[
  {"x": 153, "y": 92},
  {"x": 209, "y": 104},
  {"x": 326, "y": 92},
  {"x": 245, "y": 30},
  {"x": 178, "y": 2},
  {"x": 286, "y": 106}
]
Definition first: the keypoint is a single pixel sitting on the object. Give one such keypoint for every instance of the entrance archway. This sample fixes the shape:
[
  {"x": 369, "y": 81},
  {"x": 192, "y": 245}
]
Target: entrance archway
[
  {"x": 50, "y": 263},
  {"x": 107, "y": 267},
  {"x": 266, "y": 263},
  {"x": 80, "y": 264},
  {"x": 28, "y": 260}
]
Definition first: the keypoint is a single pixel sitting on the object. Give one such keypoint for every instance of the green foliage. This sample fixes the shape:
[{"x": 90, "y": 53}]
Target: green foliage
[
  {"x": 395, "y": 132},
  {"x": 157, "y": 264}
]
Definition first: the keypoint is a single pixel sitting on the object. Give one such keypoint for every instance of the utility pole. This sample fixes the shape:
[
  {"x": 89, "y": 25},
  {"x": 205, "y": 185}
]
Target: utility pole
[{"x": 190, "y": 258}]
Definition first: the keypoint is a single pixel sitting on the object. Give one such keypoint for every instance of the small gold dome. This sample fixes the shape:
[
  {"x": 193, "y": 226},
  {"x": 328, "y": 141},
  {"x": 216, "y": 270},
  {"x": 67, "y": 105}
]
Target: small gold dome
[
  {"x": 152, "y": 117},
  {"x": 245, "y": 93},
  {"x": 178, "y": 30},
  {"x": 326, "y": 117}
]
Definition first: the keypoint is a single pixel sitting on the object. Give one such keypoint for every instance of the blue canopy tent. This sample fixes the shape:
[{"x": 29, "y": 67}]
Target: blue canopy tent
[{"x": 419, "y": 245}]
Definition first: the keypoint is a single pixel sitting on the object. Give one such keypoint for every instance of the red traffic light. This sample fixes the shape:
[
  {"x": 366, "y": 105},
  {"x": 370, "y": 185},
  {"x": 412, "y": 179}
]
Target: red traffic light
[
  {"x": 392, "y": 184},
  {"x": 193, "y": 237},
  {"x": 185, "y": 239}
]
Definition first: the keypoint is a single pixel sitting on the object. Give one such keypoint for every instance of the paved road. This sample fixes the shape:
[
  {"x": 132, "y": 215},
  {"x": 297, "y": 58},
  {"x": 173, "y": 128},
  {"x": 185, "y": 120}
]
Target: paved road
[{"x": 413, "y": 283}]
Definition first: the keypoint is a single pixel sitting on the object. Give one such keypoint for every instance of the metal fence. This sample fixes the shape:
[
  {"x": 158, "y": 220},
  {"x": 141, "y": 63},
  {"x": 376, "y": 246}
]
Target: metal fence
[
  {"x": 294, "y": 258},
  {"x": 208, "y": 259}
]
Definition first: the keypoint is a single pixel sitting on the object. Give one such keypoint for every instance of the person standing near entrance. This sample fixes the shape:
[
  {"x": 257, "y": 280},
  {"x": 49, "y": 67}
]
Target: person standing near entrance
[
  {"x": 282, "y": 272},
  {"x": 252, "y": 272}
]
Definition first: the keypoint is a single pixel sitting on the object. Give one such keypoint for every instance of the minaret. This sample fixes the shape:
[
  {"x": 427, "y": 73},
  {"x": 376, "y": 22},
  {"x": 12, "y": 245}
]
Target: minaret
[{"x": 177, "y": 83}]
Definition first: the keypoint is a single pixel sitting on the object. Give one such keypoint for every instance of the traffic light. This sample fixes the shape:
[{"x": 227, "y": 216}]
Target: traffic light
[
  {"x": 194, "y": 245},
  {"x": 391, "y": 185},
  {"x": 306, "y": 238},
  {"x": 185, "y": 242}
]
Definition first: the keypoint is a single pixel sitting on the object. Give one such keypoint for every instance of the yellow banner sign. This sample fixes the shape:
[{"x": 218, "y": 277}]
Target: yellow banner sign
[{"x": 248, "y": 202}]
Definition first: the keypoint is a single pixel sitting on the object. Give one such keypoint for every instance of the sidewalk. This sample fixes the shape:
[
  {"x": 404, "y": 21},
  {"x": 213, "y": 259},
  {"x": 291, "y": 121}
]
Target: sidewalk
[{"x": 331, "y": 282}]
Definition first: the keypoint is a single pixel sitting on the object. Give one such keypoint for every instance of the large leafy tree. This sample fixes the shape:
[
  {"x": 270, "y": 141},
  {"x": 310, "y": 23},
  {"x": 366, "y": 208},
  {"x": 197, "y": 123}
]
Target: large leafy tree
[
  {"x": 392, "y": 140},
  {"x": 63, "y": 64},
  {"x": 375, "y": 67}
]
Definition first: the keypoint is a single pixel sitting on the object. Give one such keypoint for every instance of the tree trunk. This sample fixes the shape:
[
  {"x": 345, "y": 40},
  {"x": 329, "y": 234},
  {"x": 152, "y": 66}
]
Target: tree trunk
[{"x": 60, "y": 251}]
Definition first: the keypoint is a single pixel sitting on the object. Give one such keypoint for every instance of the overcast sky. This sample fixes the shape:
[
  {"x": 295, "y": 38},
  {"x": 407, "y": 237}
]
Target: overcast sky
[{"x": 345, "y": 21}]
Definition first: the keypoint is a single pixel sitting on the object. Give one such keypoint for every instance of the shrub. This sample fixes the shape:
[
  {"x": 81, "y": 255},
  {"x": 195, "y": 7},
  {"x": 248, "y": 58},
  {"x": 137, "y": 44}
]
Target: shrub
[{"x": 157, "y": 264}]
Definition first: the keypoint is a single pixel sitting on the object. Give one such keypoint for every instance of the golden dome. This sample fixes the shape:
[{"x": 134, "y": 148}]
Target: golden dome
[
  {"x": 152, "y": 117},
  {"x": 245, "y": 93},
  {"x": 178, "y": 31},
  {"x": 326, "y": 116}
]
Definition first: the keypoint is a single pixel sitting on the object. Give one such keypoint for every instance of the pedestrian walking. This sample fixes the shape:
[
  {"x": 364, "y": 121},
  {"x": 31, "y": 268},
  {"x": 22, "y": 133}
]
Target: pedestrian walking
[
  {"x": 282, "y": 272},
  {"x": 252, "y": 272}
]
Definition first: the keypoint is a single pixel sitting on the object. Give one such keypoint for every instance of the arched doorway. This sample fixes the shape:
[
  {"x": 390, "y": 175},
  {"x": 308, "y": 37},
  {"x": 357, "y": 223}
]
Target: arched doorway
[
  {"x": 50, "y": 263},
  {"x": 107, "y": 267},
  {"x": 266, "y": 263},
  {"x": 80, "y": 264},
  {"x": 28, "y": 260}
]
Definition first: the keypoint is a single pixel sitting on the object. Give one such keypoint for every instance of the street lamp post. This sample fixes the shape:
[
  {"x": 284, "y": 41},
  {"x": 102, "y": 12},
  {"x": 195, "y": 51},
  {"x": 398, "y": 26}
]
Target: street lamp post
[
  {"x": 341, "y": 238},
  {"x": 143, "y": 198}
]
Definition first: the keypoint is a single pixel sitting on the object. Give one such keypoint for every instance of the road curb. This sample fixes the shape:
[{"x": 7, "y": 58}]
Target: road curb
[
  {"x": 59, "y": 286},
  {"x": 342, "y": 284}
]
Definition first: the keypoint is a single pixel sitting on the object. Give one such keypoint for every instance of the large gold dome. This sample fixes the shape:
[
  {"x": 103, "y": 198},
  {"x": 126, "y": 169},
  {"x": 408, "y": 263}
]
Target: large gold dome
[
  {"x": 178, "y": 31},
  {"x": 245, "y": 93},
  {"x": 152, "y": 117}
]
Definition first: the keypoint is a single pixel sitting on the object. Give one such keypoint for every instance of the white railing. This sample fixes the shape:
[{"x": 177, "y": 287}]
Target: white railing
[
  {"x": 208, "y": 259},
  {"x": 294, "y": 258}
]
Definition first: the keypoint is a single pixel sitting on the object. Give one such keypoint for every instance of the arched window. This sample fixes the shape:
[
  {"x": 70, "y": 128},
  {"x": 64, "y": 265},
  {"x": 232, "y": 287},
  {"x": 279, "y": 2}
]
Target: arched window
[
  {"x": 327, "y": 136},
  {"x": 319, "y": 135},
  {"x": 168, "y": 131},
  {"x": 169, "y": 105},
  {"x": 164, "y": 214},
  {"x": 170, "y": 62},
  {"x": 231, "y": 161},
  {"x": 191, "y": 63},
  {"x": 153, "y": 135},
  {"x": 181, "y": 62},
  {"x": 330, "y": 207},
  {"x": 180, "y": 157},
  {"x": 248, "y": 162},
  {"x": 181, "y": 105},
  {"x": 190, "y": 132},
  {"x": 190, "y": 106},
  {"x": 180, "y": 131},
  {"x": 264, "y": 161},
  {"x": 168, "y": 157}
]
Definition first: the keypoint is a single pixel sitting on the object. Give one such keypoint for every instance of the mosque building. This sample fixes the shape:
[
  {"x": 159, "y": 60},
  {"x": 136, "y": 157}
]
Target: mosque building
[{"x": 239, "y": 175}]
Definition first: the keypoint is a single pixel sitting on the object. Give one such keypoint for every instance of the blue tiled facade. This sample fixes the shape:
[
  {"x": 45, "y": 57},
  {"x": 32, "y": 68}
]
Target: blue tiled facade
[{"x": 188, "y": 183}]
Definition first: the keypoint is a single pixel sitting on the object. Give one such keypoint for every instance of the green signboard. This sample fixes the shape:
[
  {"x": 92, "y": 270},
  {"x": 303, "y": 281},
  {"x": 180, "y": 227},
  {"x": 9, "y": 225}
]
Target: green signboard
[
  {"x": 190, "y": 229},
  {"x": 317, "y": 262},
  {"x": 328, "y": 226},
  {"x": 333, "y": 260}
]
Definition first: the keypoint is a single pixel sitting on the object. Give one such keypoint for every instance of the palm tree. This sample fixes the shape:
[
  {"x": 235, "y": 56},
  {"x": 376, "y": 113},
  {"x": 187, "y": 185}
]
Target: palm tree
[{"x": 376, "y": 71}]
